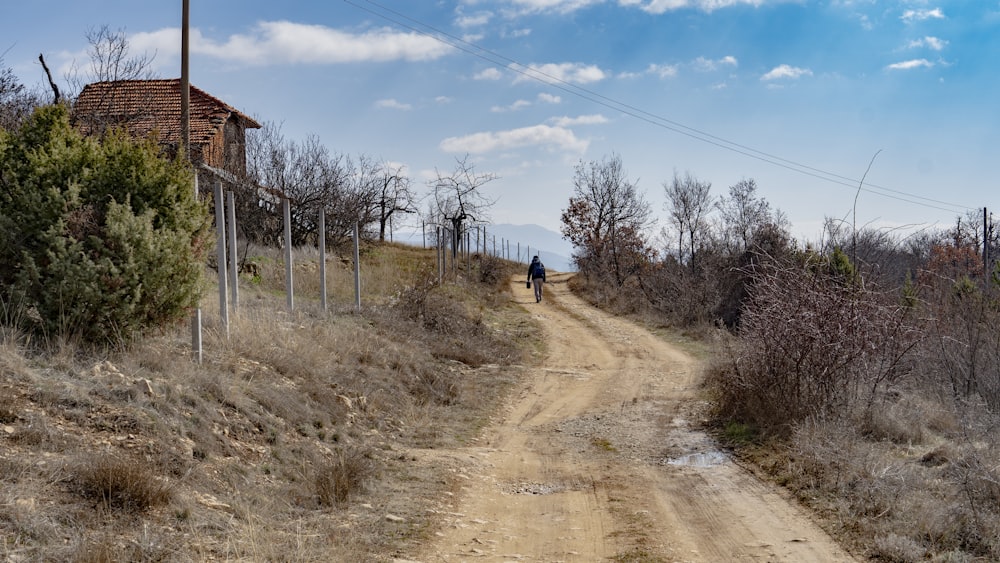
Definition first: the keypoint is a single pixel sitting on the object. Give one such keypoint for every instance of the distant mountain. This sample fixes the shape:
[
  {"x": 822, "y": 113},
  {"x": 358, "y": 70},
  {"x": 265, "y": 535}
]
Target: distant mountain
[{"x": 554, "y": 251}]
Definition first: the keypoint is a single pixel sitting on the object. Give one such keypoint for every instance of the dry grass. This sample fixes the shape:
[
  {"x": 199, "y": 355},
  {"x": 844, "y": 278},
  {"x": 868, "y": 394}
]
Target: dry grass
[
  {"x": 880, "y": 417},
  {"x": 894, "y": 487},
  {"x": 343, "y": 475},
  {"x": 295, "y": 440},
  {"x": 115, "y": 483}
]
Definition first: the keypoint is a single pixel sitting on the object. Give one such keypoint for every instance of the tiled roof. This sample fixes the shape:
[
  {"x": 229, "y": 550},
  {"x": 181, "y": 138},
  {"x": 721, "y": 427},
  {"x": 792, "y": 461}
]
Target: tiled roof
[{"x": 147, "y": 105}]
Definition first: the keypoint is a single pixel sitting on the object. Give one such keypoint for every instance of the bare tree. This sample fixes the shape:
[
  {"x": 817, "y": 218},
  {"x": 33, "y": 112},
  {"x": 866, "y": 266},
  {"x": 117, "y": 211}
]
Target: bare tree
[
  {"x": 385, "y": 190},
  {"x": 606, "y": 220},
  {"x": 362, "y": 191},
  {"x": 744, "y": 215},
  {"x": 110, "y": 60},
  {"x": 395, "y": 195},
  {"x": 56, "y": 95},
  {"x": 306, "y": 173},
  {"x": 973, "y": 227},
  {"x": 16, "y": 102},
  {"x": 688, "y": 205},
  {"x": 458, "y": 197}
]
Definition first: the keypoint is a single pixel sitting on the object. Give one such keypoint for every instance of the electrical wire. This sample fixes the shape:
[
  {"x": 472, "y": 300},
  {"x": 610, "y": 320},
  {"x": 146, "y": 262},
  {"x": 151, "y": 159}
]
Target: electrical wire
[{"x": 562, "y": 85}]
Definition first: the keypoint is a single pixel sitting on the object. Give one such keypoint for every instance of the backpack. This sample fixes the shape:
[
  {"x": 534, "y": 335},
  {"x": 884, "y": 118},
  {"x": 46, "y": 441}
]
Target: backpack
[{"x": 539, "y": 271}]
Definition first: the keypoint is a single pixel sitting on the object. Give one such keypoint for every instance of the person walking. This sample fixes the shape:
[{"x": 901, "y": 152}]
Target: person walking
[{"x": 536, "y": 275}]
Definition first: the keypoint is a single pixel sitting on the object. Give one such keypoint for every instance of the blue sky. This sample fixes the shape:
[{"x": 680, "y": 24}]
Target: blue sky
[{"x": 797, "y": 95}]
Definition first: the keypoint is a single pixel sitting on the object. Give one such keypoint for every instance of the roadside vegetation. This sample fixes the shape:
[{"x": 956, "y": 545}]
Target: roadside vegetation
[
  {"x": 862, "y": 373},
  {"x": 302, "y": 436}
]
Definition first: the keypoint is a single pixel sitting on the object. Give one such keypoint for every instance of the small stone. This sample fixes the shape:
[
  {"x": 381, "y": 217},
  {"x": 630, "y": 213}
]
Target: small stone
[
  {"x": 26, "y": 503},
  {"x": 211, "y": 502},
  {"x": 142, "y": 387}
]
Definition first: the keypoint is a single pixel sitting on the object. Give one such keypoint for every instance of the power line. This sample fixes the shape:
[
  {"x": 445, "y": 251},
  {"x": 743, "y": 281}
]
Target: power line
[{"x": 539, "y": 75}]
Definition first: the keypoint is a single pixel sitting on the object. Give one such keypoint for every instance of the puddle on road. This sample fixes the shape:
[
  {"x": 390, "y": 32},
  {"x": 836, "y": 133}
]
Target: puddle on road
[{"x": 701, "y": 459}]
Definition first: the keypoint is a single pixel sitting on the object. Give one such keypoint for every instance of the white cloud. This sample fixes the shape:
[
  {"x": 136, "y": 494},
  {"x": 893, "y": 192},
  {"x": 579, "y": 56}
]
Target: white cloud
[
  {"x": 703, "y": 64},
  {"x": 519, "y": 104},
  {"x": 911, "y": 64},
  {"x": 663, "y": 71},
  {"x": 166, "y": 40},
  {"x": 561, "y": 73},
  {"x": 921, "y": 15},
  {"x": 444, "y": 99},
  {"x": 558, "y": 6},
  {"x": 283, "y": 42},
  {"x": 554, "y": 138},
  {"x": 473, "y": 20},
  {"x": 663, "y": 6},
  {"x": 488, "y": 74},
  {"x": 391, "y": 103},
  {"x": 935, "y": 43},
  {"x": 932, "y": 43},
  {"x": 566, "y": 121},
  {"x": 786, "y": 71}
]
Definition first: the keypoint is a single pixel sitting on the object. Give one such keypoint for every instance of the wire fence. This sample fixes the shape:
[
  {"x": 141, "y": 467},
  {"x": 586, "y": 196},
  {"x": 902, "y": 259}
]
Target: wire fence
[{"x": 451, "y": 248}]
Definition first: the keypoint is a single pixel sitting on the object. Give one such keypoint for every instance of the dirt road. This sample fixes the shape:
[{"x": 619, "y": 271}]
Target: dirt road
[{"x": 595, "y": 460}]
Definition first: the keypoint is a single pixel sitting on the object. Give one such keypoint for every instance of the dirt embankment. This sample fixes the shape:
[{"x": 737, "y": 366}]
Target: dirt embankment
[{"x": 595, "y": 459}]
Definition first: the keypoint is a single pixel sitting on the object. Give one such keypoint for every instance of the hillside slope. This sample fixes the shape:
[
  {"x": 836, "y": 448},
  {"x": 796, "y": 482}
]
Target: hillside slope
[{"x": 288, "y": 443}]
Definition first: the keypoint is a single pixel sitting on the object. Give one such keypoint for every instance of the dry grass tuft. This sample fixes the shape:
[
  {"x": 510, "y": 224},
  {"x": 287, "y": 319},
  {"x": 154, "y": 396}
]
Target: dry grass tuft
[
  {"x": 898, "y": 549},
  {"x": 118, "y": 483},
  {"x": 345, "y": 475},
  {"x": 8, "y": 406}
]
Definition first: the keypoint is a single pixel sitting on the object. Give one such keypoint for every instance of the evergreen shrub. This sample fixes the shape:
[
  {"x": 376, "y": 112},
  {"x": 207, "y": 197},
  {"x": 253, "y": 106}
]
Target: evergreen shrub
[{"x": 100, "y": 239}]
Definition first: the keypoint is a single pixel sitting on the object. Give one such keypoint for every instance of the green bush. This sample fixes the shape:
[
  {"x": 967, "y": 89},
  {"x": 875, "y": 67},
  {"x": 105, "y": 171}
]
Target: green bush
[{"x": 100, "y": 238}]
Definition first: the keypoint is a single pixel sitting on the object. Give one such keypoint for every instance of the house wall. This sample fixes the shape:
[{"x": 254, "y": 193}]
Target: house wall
[
  {"x": 213, "y": 151},
  {"x": 227, "y": 149},
  {"x": 235, "y": 147}
]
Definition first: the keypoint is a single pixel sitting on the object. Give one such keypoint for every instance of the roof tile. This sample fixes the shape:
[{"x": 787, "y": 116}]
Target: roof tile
[{"x": 144, "y": 106}]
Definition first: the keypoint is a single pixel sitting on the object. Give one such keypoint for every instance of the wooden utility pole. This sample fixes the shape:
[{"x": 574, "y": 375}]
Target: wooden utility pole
[
  {"x": 185, "y": 83},
  {"x": 196, "y": 341},
  {"x": 986, "y": 246}
]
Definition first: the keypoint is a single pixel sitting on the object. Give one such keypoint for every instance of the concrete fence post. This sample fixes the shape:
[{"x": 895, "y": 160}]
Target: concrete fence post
[
  {"x": 220, "y": 226},
  {"x": 289, "y": 285}
]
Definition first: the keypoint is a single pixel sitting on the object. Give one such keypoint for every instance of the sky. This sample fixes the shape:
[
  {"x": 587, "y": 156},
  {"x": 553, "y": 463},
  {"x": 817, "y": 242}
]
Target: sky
[{"x": 807, "y": 98}]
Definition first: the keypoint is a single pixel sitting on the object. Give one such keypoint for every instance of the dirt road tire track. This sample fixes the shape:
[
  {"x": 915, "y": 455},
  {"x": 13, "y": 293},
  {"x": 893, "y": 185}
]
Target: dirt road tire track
[{"x": 593, "y": 459}]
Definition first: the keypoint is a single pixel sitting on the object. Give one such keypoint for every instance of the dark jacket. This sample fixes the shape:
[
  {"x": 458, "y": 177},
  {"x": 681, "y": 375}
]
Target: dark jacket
[{"x": 536, "y": 270}]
